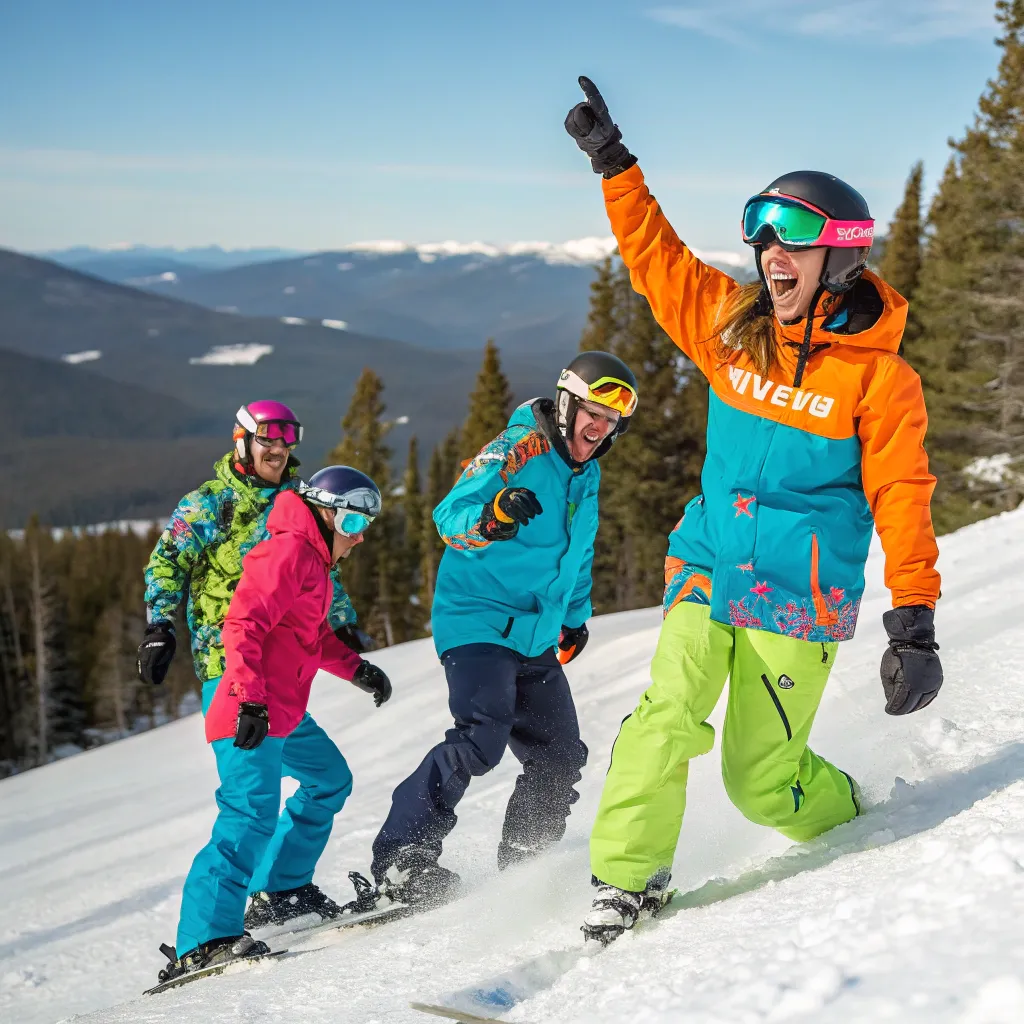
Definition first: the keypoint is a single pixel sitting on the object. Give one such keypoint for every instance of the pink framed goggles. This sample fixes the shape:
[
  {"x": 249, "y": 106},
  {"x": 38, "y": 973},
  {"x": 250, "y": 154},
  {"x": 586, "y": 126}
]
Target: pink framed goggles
[{"x": 797, "y": 224}]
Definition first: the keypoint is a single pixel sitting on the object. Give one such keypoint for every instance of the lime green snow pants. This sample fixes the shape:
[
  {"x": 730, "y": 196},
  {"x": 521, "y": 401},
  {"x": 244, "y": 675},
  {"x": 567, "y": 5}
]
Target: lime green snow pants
[{"x": 770, "y": 773}]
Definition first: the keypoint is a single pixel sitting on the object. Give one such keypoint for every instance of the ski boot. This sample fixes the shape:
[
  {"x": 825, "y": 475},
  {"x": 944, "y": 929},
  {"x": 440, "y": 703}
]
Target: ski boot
[
  {"x": 210, "y": 954},
  {"x": 417, "y": 880},
  {"x": 615, "y": 910},
  {"x": 279, "y": 908}
]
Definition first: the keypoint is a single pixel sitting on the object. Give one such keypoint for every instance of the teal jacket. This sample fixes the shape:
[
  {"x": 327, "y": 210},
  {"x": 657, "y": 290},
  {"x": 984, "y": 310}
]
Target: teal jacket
[{"x": 517, "y": 593}]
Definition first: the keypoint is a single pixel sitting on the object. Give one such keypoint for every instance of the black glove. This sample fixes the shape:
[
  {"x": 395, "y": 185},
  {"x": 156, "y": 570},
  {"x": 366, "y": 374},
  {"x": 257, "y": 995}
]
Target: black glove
[
  {"x": 911, "y": 672},
  {"x": 512, "y": 507},
  {"x": 355, "y": 638},
  {"x": 571, "y": 642},
  {"x": 156, "y": 652},
  {"x": 591, "y": 126},
  {"x": 373, "y": 680},
  {"x": 253, "y": 725}
]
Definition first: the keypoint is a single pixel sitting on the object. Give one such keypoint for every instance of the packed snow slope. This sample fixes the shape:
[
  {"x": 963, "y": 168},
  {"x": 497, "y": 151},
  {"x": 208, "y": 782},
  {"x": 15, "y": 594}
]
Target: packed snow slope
[{"x": 912, "y": 912}]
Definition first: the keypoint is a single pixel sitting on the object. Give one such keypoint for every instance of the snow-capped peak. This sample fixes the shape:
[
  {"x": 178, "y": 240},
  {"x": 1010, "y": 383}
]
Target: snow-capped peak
[{"x": 578, "y": 251}]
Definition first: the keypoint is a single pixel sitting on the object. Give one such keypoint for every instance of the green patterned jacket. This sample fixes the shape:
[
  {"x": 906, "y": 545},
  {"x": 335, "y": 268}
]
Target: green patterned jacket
[{"x": 213, "y": 528}]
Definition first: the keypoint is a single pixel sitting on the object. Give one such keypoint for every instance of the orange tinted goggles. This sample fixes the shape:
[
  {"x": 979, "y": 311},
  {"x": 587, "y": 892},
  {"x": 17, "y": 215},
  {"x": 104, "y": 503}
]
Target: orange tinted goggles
[{"x": 615, "y": 396}]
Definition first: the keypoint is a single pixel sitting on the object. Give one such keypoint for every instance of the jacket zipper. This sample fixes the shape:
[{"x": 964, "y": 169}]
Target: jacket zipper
[{"x": 823, "y": 615}]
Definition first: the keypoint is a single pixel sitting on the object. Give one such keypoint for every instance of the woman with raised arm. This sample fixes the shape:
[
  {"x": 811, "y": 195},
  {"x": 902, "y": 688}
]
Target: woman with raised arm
[{"x": 815, "y": 434}]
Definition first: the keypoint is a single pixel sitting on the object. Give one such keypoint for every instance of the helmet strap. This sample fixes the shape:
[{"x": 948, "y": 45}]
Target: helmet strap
[{"x": 805, "y": 345}]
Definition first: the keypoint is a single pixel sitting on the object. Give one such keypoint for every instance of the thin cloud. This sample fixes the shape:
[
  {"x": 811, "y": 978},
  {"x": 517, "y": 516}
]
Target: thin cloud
[{"x": 885, "y": 22}]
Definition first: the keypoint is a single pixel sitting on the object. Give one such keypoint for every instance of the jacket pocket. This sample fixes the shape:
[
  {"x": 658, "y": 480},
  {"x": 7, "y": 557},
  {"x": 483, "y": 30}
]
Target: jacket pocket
[
  {"x": 508, "y": 628},
  {"x": 778, "y": 704},
  {"x": 823, "y": 615}
]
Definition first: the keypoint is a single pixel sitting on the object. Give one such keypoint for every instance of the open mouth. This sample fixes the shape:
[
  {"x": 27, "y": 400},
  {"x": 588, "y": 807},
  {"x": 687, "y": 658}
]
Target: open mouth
[
  {"x": 783, "y": 282},
  {"x": 591, "y": 436}
]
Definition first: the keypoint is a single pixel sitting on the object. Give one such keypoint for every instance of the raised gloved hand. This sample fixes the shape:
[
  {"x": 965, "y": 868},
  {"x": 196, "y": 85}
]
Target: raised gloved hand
[
  {"x": 512, "y": 507},
  {"x": 253, "y": 725},
  {"x": 356, "y": 639},
  {"x": 373, "y": 680},
  {"x": 571, "y": 642},
  {"x": 911, "y": 671},
  {"x": 156, "y": 652},
  {"x": 591, "y": 125}
]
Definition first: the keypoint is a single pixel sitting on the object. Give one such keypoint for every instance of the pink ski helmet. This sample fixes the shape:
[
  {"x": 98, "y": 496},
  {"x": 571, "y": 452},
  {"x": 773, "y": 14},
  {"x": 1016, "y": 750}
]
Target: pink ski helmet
[{"x": 264, "y": 421}]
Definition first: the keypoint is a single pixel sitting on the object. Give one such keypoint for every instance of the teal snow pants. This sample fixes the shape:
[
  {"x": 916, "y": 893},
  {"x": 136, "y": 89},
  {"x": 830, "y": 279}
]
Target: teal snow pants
[{"x": 252, "y": 847}]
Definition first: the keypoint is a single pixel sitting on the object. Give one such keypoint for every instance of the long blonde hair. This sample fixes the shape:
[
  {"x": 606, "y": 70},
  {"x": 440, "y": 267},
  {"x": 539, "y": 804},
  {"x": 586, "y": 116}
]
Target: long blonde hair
[{"x": 745, "y": 323}]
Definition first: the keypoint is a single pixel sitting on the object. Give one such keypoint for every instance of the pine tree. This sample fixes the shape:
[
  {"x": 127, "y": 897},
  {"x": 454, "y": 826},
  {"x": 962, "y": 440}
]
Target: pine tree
[
  {"x": 969, "y": 306},
  {"x": 901, "y": 264},
  {"x": 432, "y": 547},
  {"x": 412, "y": 514},
  {"x": 601, "y": 330},
  {"x": 653, "y": 469},
  {"x": 444, "y": 469},
  {"x": 369, "y": 573},
  {"x": 490, "y": 404}
]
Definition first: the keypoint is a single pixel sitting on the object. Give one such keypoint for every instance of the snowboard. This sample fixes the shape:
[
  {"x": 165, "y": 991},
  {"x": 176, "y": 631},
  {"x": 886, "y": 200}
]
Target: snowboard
[
  {"x": 452, "y": 1014},
  {"x": 368, "y": 917},
  {"x": 206, "y": 972}
]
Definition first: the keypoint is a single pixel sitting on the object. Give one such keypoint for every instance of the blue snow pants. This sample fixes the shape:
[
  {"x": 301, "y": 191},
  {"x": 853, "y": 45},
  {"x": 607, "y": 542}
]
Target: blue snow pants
[
  {"x": 499, "y": 699},
  {"x": 252, "y": 848}
]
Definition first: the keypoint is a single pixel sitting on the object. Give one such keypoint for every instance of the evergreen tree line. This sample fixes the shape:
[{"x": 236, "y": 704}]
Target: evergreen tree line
[
  {"x": 71, "y": 618},
  {"x": 961, "y": 265}
]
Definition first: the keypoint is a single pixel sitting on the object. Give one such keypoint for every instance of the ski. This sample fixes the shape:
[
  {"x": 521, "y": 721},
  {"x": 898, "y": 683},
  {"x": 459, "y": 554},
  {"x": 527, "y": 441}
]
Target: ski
[
  {"x": 205, "y": 972},
  {"x": 453, "y": 1014}
]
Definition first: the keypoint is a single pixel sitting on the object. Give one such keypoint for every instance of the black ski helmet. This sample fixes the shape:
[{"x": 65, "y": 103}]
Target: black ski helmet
[
  {"x": 596, "y": 377},
  {"x": 832, "y": 196}
]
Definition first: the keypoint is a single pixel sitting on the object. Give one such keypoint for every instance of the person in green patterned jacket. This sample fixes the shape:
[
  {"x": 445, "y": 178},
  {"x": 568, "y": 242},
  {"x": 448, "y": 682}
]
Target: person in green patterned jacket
[{"x": 199, "y": 558}]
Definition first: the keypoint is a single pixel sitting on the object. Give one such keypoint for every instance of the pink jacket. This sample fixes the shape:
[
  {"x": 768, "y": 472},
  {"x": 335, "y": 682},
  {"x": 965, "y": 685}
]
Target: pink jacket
[{"x": 276, "y": 634}]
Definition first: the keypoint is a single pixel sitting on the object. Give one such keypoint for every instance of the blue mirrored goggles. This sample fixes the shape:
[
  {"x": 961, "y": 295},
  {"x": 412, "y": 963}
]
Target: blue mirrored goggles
[
  {"x": 351, "y": 524},
  {"x": 355, "y": 510}
]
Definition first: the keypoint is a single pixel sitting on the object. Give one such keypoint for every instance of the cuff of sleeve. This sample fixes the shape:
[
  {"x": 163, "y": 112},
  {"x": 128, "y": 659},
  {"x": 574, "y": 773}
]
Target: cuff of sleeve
[{"x": 620, "y": 184}]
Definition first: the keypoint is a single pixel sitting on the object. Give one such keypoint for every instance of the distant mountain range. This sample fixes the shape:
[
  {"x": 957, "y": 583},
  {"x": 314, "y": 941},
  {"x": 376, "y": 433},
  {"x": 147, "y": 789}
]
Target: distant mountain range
[
  {"x": 529, "y": 296},
  {"x": 184, "y": 370},
  {"x": 120, "y": 378}
]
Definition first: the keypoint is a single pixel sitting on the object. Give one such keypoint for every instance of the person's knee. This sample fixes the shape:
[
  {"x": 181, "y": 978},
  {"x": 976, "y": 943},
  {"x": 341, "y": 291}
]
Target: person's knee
[
  {"x": 764, "y": 798},
  {"x": 478, "y": 758},
  {"x": 475, "y": 749},
  {"x": 335, "y": 783}
]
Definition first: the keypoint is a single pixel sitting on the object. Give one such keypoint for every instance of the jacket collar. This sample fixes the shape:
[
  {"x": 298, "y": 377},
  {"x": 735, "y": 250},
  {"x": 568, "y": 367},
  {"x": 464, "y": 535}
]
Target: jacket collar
[{"x": 291, "y": 514}]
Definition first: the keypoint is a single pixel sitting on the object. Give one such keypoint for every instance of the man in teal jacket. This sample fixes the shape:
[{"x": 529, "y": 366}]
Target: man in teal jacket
[{"x": 513, "y": 585}]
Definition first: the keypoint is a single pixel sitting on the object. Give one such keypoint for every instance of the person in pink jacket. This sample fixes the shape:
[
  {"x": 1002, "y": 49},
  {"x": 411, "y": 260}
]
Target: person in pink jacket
[{"x": 276, "y": 638}]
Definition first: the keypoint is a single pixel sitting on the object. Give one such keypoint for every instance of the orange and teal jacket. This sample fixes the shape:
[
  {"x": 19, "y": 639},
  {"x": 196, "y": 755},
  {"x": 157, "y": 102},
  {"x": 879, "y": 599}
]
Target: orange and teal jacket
[{"x": 796, "y": 473}]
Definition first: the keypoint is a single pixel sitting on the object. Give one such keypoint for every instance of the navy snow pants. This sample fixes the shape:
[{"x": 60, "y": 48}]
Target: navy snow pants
[{"x": 499, "y": 699}]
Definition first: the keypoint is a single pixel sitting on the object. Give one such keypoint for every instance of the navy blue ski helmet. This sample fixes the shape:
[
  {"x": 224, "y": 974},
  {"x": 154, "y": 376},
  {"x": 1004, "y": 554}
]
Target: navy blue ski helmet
[{"x": 350, "y": 492}]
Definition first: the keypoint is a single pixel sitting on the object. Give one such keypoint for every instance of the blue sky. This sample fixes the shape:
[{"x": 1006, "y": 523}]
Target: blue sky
[{"x": 315, "y": 124}]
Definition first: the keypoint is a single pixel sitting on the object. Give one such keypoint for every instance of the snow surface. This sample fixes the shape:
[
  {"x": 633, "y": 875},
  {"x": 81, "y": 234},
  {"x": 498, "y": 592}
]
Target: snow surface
[
  {"x": 88, "y": 356},
  {"x": 245, "y": 354},
  {"x": 910, "y": 913},
  {"x": 167, "y": 277},
  {"x": 991, "y": 469}
]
